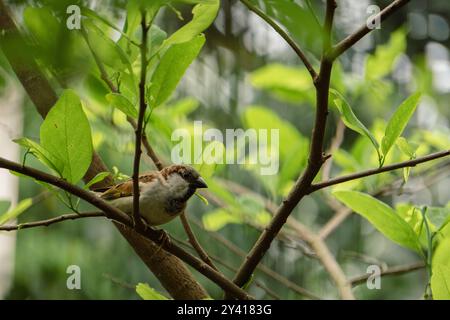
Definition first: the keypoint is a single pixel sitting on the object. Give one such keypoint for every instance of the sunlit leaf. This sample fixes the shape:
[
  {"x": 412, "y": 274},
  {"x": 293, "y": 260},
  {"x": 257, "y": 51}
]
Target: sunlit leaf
[
  {"x": 120, "y": 102},
  {"x": 440, "y": 282},
  {"x": 66, "y": 135},
  {"x": 148, "y": 293},
  {"x": 51, "y": 161},
  {"x": 398, "y": 122},
  {"x": 382, "y": 61},
  {"x": 382, "y": 217},
  {"x": 218, "y": 219},
  {"x": 99, "y": 177},
  {"x": 291, "y": 84},
  {"x": 171, "y": 69},
  {"x": 203, "y": 16},
  {"x": 14, "y": 212},
  {"x": 350, "y": 119}
]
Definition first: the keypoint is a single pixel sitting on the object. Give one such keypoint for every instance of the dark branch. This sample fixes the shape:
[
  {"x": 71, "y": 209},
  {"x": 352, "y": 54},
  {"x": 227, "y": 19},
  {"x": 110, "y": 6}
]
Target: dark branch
[
  {"x": 284, "y": 35},
  {"x": 410, "y": 163},
  {"x": 48, "y": 222},
  {"x": 315, "y": 162},
  {"x": 140, "y": 124},
  {"x": 348, "y": 42},
  {"x": 194, "y": 242},
  {"x": 397, "y": 270}
]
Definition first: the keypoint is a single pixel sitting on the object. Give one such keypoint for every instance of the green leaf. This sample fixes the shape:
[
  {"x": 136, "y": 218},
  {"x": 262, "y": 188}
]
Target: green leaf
[
  {"x": 122, "y": 103},
  {"x": 407, "y": 148},
  {"x": 350, "y": 119},
  {"x": 203, "y": 16},
  {"x": 41, "y": 154},
  {"x": 13, "y": 213},
  {"x": 410, "y": 151},
  {"x": 171, "y": 69},
  {"x": 382, "y": 217},
  {"x": 108, "y": 51},
  {"x": 398, "y": 122},
  {"x": 148, "y": 293},
  {"x": 382, "y": 61},
  {"x": 202, "y": 198},
  {"x": 66, "y": 135},
  {"x": 217, "y": 219},
  {"x": 440, "y": 282},
  {"x": 288, "y": 13},
  {"x": 290, "y": 84},
  {"x": 43, "y": 25},
  {"x": 98, "y": 178}
]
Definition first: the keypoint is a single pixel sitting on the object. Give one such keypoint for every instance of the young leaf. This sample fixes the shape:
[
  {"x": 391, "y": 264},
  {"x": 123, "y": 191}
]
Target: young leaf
[
  {"x": 171, "y": 69},
  {"x": 203, "y": 16},
  {"x": 382, "y": 217},
  {"x": 41, "y": 154},
  {"x": 350, "y": 119},
  {"x": 14, "y": 212},
  {"x": 398, "y": 122},
  {"x": 122, "y": 103},
  {"x": 440, "y": 282},
  {"x": 98, "y": 178},
  {"x": 382, "y": 61},
  {"x": 147, "y": 293},
  {"x": 409, "y": 150},
  {"x": 66, "y": 135},
  {"x": 202, "y": 198}
]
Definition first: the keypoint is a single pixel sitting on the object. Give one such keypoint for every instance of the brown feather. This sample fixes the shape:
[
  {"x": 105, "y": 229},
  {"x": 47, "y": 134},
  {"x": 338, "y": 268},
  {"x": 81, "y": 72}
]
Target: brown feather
[{"x": 125, "y": 189}]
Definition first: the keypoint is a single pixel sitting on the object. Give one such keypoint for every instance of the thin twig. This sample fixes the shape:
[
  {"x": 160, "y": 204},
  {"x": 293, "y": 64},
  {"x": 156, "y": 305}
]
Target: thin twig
[
  {"x": 261, "y": 267},
  {"x": 140, "y": 124},
  {"x": 348, "y": 42},
  {"x": 367, "y": 173},
  {"x": 194, "y": 242},
  {"x": 326, "y": 258},
  {"x": 114, "y": 213},
  {"x": 104, "y": 76},
  {"x": 396, "y": 270},
  {"x": 233, "y": 269},
  {"x": 284, "y": 35},
  {"x": 48, "y": 222}
]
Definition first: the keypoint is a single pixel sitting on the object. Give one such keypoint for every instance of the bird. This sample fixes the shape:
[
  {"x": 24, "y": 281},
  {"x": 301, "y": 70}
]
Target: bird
[{"x": 163, "y": 194}]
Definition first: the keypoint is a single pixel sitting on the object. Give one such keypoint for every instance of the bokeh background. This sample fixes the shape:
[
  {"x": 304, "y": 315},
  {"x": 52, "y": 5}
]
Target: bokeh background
[{"x": 246, "y": 76}]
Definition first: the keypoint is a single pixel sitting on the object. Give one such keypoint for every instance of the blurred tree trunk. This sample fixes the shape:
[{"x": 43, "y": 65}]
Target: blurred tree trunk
[{"x": 10, "y": 127}]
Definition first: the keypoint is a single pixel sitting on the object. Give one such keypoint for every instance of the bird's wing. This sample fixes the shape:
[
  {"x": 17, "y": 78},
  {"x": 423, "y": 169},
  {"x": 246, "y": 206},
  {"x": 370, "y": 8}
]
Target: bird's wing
[{"x": 125, "y": 189}]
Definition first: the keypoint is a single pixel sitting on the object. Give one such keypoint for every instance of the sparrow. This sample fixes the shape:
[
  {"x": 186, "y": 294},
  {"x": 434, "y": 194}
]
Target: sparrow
[{"x": 163, "y": 195}]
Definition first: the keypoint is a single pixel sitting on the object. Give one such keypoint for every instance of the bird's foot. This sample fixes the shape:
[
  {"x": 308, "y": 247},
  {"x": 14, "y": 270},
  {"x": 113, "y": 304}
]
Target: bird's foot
[{"x": 163, "y": 237}]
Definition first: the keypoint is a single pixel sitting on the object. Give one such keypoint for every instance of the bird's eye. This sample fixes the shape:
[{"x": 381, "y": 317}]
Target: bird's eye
[{"x": 185, "y": 174}]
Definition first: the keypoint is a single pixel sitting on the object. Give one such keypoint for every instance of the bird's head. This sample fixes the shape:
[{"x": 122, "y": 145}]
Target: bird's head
[{"x": 183, "y": 180}]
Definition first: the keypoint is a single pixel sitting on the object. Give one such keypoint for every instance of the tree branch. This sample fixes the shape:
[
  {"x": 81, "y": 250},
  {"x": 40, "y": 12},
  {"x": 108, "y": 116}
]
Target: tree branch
[
  {"x": 284, "y": 35},
  {"x": 261, "y": 267},
  {"x": 315, "y": 162},
  {"x": 397, "y": 270},
  {"x": 119, "y": 216},
  {"x": 348, "y": 42},
  {"x": 405, "y": 164},
  {"x": 48, "y": 222},
  {"x": 194, "y": 242},
  {"x": 140, "y": 124}
]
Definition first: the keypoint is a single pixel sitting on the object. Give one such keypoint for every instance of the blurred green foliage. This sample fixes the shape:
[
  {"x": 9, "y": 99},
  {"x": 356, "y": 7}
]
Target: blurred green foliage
[{"x": 236, "y": 86}]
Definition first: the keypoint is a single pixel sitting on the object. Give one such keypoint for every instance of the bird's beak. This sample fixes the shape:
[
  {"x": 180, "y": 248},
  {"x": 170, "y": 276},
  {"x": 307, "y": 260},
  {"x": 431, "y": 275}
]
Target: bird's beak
[{"x": 199, "y": 183}]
